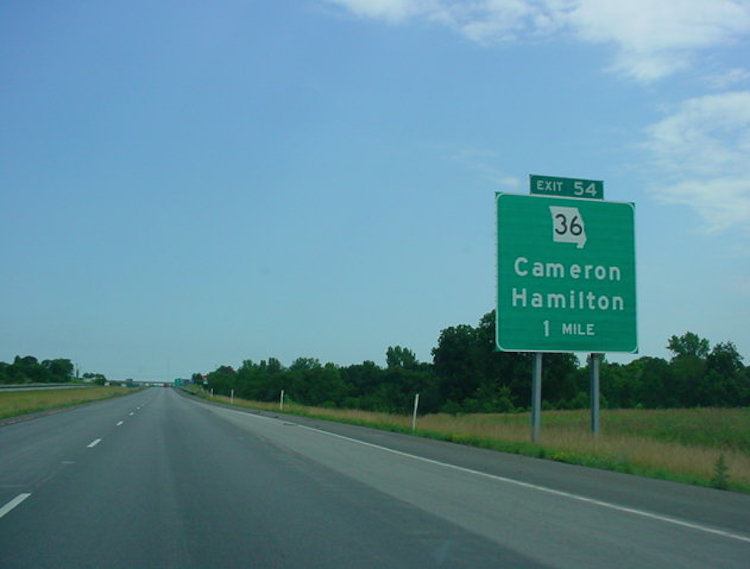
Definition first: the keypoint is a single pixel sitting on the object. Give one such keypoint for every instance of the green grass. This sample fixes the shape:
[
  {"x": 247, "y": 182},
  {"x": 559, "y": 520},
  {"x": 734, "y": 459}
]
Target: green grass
[
  {"x": 15, "y": 403},
  {"x": 683, "y": 445},
  {"x": 727, "y": 429}
]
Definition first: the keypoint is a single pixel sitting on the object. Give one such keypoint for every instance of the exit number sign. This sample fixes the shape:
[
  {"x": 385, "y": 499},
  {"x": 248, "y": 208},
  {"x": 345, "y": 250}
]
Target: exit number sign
[{"x": 567, "y": 187}]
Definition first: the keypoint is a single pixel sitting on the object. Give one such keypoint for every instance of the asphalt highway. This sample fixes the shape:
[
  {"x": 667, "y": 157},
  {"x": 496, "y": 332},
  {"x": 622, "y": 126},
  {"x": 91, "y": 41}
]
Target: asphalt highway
[{"x": 159, "y": 479}]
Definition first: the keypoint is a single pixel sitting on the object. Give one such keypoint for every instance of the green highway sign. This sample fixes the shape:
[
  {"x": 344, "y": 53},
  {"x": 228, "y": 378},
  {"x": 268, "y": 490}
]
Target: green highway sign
[
  {"x": 566, "y": 187},
  {"x": 566, "y": 275}
]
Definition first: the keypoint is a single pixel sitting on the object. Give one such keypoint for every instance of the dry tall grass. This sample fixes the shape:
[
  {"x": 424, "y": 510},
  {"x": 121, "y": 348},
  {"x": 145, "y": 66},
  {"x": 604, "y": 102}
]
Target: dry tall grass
[{"x": 16, "y": 403}]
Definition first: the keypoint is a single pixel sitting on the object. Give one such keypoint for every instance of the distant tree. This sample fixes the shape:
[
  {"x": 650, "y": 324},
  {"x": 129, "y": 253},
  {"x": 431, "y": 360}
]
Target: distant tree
[
  {"x": 725, "y": 359},
  {"x": 28, "y": 370},
  {"x": 396, "y": 356},
  {"x": 362, "y": 381},
  {"x": 456, "y": 364},
  {"x": 222, "y": 380},
  {"x": 655, "y": 383},
  {"x": 96, "y": 378},
  {"x": 59, "y": 370},
  {"x": 304, "y": 364},
  {"x": 688, "y": 366},
  {"x": 25, "y": 361},
  {"x": 689, "y": 344},
  {"x": 725, "y": 383},
  {"x": 689, "y": 372}
]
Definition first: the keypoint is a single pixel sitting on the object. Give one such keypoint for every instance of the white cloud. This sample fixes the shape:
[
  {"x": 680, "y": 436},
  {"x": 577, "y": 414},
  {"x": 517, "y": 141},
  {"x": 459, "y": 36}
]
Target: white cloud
[
  {"x": 655, "y": 38},
  {"x": 723, "y": 81},
  {"x": 652, "y": 38},
  {"x": 390, "y": 10},
  {"x": 703, "y": 150}
]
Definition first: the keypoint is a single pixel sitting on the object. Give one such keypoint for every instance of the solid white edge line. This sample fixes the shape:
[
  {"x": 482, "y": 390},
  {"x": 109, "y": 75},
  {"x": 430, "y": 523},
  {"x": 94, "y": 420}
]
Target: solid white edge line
[
  {"x": 560, "y": 493},
  {"x": 13, "y": 503},
  {"x": 93, "y": 443}
]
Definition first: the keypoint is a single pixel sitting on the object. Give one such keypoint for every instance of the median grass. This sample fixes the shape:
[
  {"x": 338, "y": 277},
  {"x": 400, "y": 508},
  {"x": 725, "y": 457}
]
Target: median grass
[
  {"x": 17, "y": 403},
  {"x": 708, "y": 447}
]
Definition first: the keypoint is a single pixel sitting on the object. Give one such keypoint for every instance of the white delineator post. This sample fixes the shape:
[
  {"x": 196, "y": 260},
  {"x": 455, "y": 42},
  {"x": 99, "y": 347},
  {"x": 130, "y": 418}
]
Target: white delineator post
[{"x": 414, "y": 415}]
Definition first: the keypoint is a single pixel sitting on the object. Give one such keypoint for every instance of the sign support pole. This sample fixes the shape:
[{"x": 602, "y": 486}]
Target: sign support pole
[
  {"x": 594, "y": 392},
  {"x": 536, "y": 397}
]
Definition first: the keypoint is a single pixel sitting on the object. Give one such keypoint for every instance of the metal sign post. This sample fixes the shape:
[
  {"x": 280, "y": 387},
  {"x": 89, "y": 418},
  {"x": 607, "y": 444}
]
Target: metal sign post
[
  {"x": 536, "y": 397},
  {"x": 594, "y": 392}
]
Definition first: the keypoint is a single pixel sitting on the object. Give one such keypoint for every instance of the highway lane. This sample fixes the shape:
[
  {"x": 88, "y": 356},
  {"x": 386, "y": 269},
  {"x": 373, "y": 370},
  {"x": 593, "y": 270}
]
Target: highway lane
[
  {"x": 184, "y": 484},
  {"x": 34, "y": 451}
]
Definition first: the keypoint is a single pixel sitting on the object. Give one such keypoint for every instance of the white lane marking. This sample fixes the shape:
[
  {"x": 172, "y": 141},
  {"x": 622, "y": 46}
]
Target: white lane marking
[
  {"x": 13, "y": 503},
  {"x": 119, "y": 423},
  {"x": 132, "y": 413},
  {"x": 560, "y": 493},
  {"x": 93, "y": 443}
]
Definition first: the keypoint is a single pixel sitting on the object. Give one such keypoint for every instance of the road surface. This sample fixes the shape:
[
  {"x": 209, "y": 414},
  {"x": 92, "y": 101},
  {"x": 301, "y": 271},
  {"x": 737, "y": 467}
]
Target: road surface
[{"x": 158, "y": 479}]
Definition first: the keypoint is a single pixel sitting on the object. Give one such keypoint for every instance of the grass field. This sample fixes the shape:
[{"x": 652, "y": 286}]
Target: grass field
[
  {"x": 708, "y": 447},
  {"x": 16, "y": 403}
]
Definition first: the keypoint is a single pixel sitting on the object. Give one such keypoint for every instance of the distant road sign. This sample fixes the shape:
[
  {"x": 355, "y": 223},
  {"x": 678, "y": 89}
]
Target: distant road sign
[
  {"x": 566, "y": 187},
  {"x": 566, "y": 275}
]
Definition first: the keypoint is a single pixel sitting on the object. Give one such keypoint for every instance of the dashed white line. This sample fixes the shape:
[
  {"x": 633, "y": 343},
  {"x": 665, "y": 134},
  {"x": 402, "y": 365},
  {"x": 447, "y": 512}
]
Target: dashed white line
[
  {"x": 93, "y": 443},
  {"x": 120, "y": 423},
  {"x": 13, "y": 503},
  {"x": 132, "y": 413}
]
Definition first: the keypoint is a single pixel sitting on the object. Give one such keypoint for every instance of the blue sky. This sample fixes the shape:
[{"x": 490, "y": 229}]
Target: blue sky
[{"x": 185, "y": 185}]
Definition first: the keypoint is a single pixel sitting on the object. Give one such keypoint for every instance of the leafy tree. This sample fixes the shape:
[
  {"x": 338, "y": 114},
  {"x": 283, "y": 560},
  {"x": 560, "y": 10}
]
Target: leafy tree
[
  {"x": 28, "y": 370},
  {"x": 361, "y": 380},
  {"x": 455, "y": 363},
  {"x": 396, "y": 356},
  {"x": 725, "y": 359},
  {"x": 95, "y": 378},
  {"x": 689, "y": 344},
  {"x": 59, "y": 370},
  {"x": 222, "y": 380},
  {"x": 689, "y": 372},
  {"x": 725, "y": 382},
  {"x": 656, "y": 384},
  {"x": 315, "y": 384}
]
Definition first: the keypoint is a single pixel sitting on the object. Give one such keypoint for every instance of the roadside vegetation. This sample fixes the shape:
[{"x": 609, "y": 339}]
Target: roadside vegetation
[
  {"x": 706, "y": 446},
  {"x": 16, "y": 403}
]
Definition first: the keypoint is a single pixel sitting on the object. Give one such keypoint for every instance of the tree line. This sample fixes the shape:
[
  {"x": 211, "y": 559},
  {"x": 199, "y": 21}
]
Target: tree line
[
  {"x": 28, "y": 369},
  {"x": 467, "y": 375}
]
